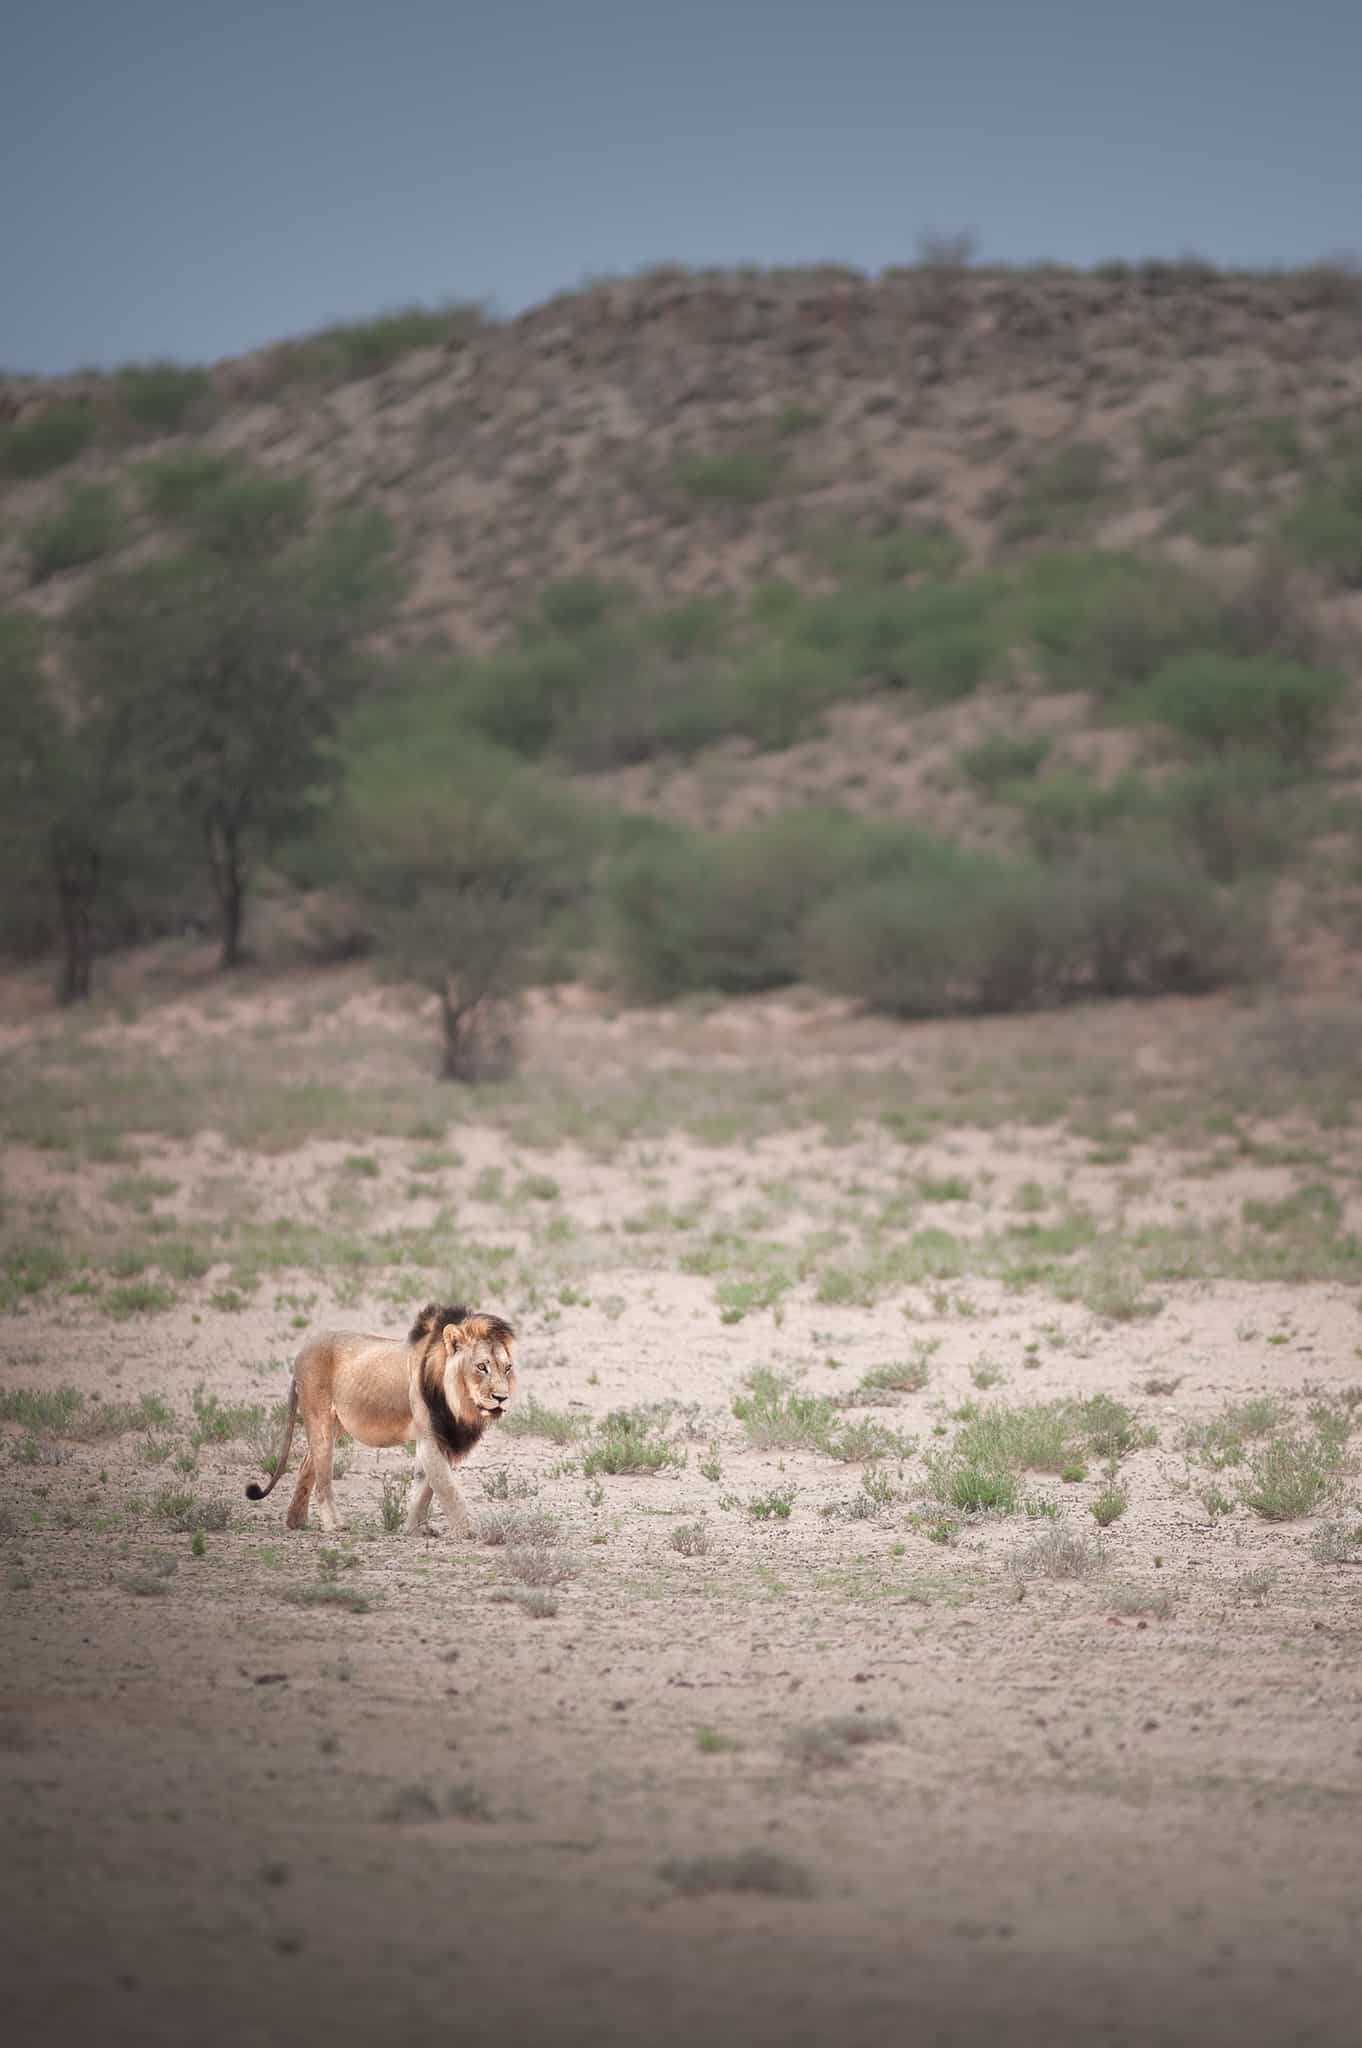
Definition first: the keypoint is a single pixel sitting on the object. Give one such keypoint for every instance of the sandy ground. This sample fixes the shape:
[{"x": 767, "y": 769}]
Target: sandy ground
[{"x": 1122, "y": 1808}]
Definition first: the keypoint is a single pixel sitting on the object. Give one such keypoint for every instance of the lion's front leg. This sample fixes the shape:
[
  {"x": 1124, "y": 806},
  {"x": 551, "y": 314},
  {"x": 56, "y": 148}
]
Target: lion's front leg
[
  {"x": 446, "y": 1492},
  {"x": 420, "y": 1497}
]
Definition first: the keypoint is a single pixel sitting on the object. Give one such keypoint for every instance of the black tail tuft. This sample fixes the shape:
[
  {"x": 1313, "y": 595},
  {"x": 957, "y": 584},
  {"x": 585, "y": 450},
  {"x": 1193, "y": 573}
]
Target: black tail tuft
[{"x": 254, "y": 1492}]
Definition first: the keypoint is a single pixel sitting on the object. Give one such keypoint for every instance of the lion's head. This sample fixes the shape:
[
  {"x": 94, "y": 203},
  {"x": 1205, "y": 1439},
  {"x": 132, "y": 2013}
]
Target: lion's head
[{"x": 468, "y": 1358}]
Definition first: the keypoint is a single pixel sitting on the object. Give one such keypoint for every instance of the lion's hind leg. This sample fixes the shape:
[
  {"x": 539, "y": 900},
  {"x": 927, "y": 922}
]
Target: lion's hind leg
[{"x": 296, "y": 1517}]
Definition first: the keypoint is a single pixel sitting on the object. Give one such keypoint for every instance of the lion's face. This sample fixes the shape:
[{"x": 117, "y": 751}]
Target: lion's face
[{"x": 480, "y": 1368}]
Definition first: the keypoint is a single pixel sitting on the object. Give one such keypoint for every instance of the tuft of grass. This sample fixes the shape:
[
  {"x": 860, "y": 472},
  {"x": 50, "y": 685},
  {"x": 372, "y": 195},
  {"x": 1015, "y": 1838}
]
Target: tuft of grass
[
  {"x": 777, "y": 1416},
  {"x": 187, "y": 1514},
  {"x": 532, "y": 1418},
  {"x": 139, "y": 1298},
  {"x": 1154, "y": 1602},
  {"x": 328, "y": 1593},
  {"x": 746, "y": 476},
  {"x": 908, "y": 1376},
  {"x": 540, "y": 1564},
  {"x": 1057, "y": 1552},
  {"x": 629, "y": 1441},
  {"x": 536, "y": 1601},
  {"x": 1291, "y": 1476},
  {"x": 774, "y": 1506},
  {"x": 1336, "y": 1542},
  {"x": 1110, "y": 1504},
  {"x": 710, "y": 1742},
  {"x": 1225, "y": 1438},
  {"x": 834, "y": 1741},
  {"x": 393, "y": 1507},
  {"x": 510, "y": 1526},
  {"x": 748, "y": 1870},
  {"x": 35, "y": 1409},
  {"x": 692, "y": 1539}
]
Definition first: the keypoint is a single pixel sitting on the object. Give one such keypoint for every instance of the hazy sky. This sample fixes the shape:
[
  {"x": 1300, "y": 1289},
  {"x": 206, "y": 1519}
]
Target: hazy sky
[{"x": 189, "y": 179}]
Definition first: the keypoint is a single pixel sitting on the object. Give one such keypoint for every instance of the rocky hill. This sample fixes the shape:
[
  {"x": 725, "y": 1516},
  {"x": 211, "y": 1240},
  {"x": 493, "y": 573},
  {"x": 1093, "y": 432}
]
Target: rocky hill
[{"x": 695, "y": 433}]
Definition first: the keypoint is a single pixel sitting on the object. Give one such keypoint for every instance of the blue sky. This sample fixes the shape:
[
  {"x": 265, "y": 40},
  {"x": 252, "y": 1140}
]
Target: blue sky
[{"x": 190, "y": 180}]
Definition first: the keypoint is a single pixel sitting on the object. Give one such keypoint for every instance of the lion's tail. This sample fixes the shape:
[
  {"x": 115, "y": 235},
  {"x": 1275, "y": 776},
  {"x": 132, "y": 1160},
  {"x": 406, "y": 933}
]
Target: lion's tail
[{"x": 254, "y": 1492}]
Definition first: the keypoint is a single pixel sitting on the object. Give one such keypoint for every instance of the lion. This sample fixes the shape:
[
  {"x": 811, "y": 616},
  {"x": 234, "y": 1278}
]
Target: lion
[{"x": 442, "y": 1388}]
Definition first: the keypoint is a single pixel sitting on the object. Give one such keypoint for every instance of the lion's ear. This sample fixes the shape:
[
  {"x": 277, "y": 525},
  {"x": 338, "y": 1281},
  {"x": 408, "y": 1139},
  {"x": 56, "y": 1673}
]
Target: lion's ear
[{"x": 454, "y": 1335}]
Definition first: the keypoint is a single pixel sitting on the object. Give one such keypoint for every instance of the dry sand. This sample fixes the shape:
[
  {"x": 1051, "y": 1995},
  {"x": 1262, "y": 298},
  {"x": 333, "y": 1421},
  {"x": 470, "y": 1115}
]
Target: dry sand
[{"x": 229, "y": 1818}]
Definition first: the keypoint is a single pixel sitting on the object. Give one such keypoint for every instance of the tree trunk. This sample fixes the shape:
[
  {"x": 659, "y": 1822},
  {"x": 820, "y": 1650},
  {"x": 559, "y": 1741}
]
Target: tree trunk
[
  {"x": 76, "y": 888},
  {"x": 228, "y": 870}
]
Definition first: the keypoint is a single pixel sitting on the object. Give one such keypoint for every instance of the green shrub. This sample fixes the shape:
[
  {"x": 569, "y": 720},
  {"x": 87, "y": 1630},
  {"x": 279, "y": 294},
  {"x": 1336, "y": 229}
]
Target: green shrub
[
  {"x": 1325, "y": 528},
  {"x": 88, "y": 525},
  {"x": 49, "y": 441},
  {"x": 1062, "y": 810},
  {"x": 1002, "y": 757},
  {"x": 1106, "y": 622},
  {"x": 1060, "y": 494},
  {"x": 1219, "y": 701},
  {"x": 978, "y": 935},
  {"x": 1233, "y": 814},
  {"x": 747, "y": 476},
  {"x": 730, "y": 911},
  {"x": 165, "y": 398},
  {"x": 250, "y": 514},
  {"x": 362, "y": 348},
  {"x": 173, "y": 486},
  {"x": 995, "y": 937}
]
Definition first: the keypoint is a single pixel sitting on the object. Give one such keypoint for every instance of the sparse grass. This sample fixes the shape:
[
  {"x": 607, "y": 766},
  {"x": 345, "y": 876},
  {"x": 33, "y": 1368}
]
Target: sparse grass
[
  {"x": 692, "y": 1539},
  {"x": 1057, "y": 1552},
  {"x": 139, "y": 1298},
  {"x": 1291, "y": 1476},
  {"x": 393, "y": 1506},
  {"x": 538, "y": 1563},
  {"x": 35, "y": 1409},
  {"x": 536, "y": 1601},
  {"x": 1003, "y": 757},
  {"x": 1336, "y": 1542},
  {"x": 222, "y": 1422},
  {"x": 747, "y": 476},
  {"x": 1224, "y": 1439},
  {"x": 532, "y": 1418},
  {"x": 510, "y": 1526},
  {"x": 1109, "y": 1505},
  {"x": 712, "y": 1742},
  {"x": 1156, "y": 1603},
  {"x": 187, "y": 1514},
  {"x": 971, "y": 1488},
  {"x": 747, "y": 1870},
  {"x": 776, "y": 1416},
  {"x": 834, "y": 1741},
  {"x": 774, "y": 1506},
  {"x": 908, "y": 1376},
  {"x": 629, "y": 1441},
  {"x": 328, "y": 1593}
]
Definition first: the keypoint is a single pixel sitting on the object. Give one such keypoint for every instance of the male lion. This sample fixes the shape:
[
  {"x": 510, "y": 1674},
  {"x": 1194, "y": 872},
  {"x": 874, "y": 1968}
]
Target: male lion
[{"x": 442, "y": 1387}]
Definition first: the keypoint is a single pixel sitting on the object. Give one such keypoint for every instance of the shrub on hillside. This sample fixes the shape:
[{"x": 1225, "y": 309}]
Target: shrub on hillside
[
  {"x": 1059, "y": 494},
  {"x": 1325, "y": 528},
  {"x": 165, "y": 398},
  {"x": 49, "y": 441},
  {"x": 173, "y": 486},
  {"x": 1222, "y": 701},
  {"x": 88, "y": 524}
]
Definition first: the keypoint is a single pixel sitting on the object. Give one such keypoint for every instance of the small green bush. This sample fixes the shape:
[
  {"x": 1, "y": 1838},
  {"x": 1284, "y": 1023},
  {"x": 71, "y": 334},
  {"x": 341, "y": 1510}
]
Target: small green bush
[
  {"x": 1220, "y": 701},
  {"x": 165, "y": 398},
  {"x": 747, "y": 476},
  {"x": 250, "y": 515},
  {"x": 1059, "y": 495},
  {"x": 49, "y": 441},
  {"x": 174, "y": 486},
  {"x": 1324, "y": 530},
  {"x": 88, "y": 525},
  {"x": 1003, "y": 757},
  {"x": 362, "y": 348}
]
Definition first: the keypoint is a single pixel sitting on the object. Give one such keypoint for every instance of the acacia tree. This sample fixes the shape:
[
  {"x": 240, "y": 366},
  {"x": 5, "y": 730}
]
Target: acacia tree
[
  {"x": 67, "y": 800},
  {"x": 234, "y": 663},
  {"x": 457, "y": 901}
]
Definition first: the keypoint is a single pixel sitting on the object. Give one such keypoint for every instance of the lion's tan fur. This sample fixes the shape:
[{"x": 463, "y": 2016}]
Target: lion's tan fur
[{"x": 440, "y": 1388}]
